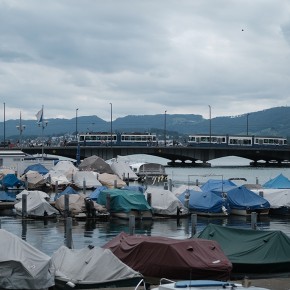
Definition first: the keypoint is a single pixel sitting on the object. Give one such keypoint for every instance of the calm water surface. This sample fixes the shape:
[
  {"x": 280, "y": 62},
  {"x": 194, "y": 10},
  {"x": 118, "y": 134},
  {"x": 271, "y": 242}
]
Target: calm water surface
[{"x": 48, "y": 236}]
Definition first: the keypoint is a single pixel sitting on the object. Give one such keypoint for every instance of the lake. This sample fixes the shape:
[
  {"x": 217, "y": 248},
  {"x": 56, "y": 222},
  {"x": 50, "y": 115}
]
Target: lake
[{"x": 48, "y": 236}]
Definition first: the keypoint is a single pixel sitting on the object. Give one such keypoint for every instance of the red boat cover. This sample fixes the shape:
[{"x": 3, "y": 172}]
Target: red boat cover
[{"x": 171, "y": 258}]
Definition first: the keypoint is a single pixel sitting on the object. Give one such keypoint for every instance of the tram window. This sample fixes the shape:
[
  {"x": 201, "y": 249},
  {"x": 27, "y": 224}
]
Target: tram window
[{"x": 82, "y": 138}]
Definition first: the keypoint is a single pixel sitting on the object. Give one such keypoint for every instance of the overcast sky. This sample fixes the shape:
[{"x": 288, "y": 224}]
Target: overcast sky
[{"x": 224, "y": 57}]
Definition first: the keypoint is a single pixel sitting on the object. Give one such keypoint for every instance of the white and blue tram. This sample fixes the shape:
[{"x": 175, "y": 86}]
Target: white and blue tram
[
  {"x": 117, "y": 139},
  {"x": 236, "y": 140}
]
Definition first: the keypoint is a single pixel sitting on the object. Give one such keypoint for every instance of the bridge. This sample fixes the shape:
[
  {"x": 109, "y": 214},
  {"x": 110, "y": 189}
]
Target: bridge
[{"x": 178, "y": 156}]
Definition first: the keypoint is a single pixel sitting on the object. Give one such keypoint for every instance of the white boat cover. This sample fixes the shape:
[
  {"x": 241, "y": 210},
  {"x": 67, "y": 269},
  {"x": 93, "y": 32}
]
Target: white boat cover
[
  {"x": 110, "y": 180},
  {"x": 90, "y": 265},
  {"x": 66, "y": 168},
  {"x": 34, "y": 179},
  {"x": 276, "y": 197},
  {"x": 123, "y": 170},
  {"x": 56, "y": 176},
  {"x": 27, "y": 192},
  {"x": 164, "y": 202},
  {"x": 90, "y": 178},
  {"x": 37, "y": 205},
  {"x": 22, "y": 266}
]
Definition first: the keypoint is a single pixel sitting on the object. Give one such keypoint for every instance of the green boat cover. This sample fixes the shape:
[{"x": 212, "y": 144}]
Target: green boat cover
[
  {"x": 252, "y": 251},
  {"x": 124, "y": 200}
]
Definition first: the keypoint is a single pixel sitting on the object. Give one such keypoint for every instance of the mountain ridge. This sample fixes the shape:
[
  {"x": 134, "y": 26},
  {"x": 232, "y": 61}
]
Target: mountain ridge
[{"x": 269, "y": 122}]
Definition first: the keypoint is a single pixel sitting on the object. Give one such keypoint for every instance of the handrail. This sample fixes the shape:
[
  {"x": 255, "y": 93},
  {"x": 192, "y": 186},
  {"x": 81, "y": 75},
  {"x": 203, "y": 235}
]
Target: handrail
[
  {"x": 140, "y": 282},
  {"x": 165, "y": 279}
]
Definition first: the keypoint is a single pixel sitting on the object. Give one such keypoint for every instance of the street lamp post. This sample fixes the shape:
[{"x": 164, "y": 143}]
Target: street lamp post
[
  {"x": 111, "y": 124},
  {"x": 21, "y": 128},
  {"x": 77, "y": 124},
  {"x": 4, "y": 128},
  {"x": 42, "y": 123},
  {"x": 165, "y": 128},
  {"x": 248, "y": 124},
  {"x": 209, "y": 123}
]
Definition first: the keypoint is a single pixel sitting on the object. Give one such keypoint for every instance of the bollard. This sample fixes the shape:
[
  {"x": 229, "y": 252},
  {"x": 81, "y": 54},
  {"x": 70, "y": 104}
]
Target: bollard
[
  {"x": 165, "y": 186},
  {"x": 26, "y": 182},
  {"x": 84, "y": 186},
  {"x": 193, "y": 224},
  {"x": 68, "y": 231},
  {"x": 261, "y": 193},
  {"x": 149, "y": 198},
  {"x": 66, "y": 205},
  {"x": 24, "y": 205},
  {"x": 254, "y": 220},
  {"x": 56, "y": 187},
  {"x": 132, "y": 225},
  {"x": 257, "y": 180},
  {"x": 186, "y": 199},
  {"x": 170, "y": 184},
  {"x": 196, "y": 182},
  {"x": 115, "y": 183}
]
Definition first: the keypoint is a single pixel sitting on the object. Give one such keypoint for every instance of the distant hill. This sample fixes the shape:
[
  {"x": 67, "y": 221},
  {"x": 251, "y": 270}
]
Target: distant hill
[{"x": 274, "y": 121}]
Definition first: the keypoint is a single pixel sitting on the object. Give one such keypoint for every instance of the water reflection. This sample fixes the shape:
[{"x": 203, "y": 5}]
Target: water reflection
[{"x": 49, "y": 235}]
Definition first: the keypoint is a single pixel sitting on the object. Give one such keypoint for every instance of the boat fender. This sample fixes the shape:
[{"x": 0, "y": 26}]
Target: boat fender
[{"x": 70, "y": 284}]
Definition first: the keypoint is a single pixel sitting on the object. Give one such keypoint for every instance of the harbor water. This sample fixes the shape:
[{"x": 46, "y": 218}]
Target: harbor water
[{"x": 49, "y": 235}]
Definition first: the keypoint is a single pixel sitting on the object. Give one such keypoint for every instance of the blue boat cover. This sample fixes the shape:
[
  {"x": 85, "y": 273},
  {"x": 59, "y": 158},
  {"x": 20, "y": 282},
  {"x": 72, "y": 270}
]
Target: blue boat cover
[
  {"x": 68, "y": 190},
  {"x": 11, "y": 180},
  {"x": 200, "y": 283},
  {"x": 207, "y": 202},
  {"x": 7, "y": 196},
  {"x": 243, "y": 198},
  {"x": 95, "y": 194},
  {"x": 124, "y": 200},
  {"x": 37, "y": 167},
  {"x": 279, "y": 182},
  {"x": 135, "y": 188},
  {"x": 218, "y": 186}
]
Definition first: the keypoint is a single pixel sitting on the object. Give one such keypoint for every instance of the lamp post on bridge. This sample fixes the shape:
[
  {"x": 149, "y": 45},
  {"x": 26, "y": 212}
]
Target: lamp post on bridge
[
  {"x": 21, "y": 128},
  {"x": 248, "y": 124},
  {"x": 209, "y": 124},
  {"x": 77, "y": 124},
  {"x": 111, "y": 125},
  {"x": 165, "y": 128}
]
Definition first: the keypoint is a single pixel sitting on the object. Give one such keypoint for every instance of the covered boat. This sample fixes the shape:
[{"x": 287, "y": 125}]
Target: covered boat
[
  {"x": 165, "y": 203},
  {"x": 37, "y": 206},
  {"x": 33, "y": 180},
  {"x": 22, "y": 266},
  {"x": 95, "y": 163},
  {"x": 40, "y": 168},
  {"x": 111, "y": 180},
  {"x": 252, "y": 251},
  {"x": 243, "y": 201},
  {"x": 10, "y": 181},
  {"x": 279, "y": 182},
  {"x": 123, "y": 170},
  {"x": 87, "y": 179},
  {"x": 218, "y": 186},
  {"x": 124, "y": 203},
  {"x": 172, "y": 258},
  {"x": 166, "y": 284},
  {"x": 279, "y": 200},
  {"x": 205, "y": 203},
  {"x": 91, "y": 268}
]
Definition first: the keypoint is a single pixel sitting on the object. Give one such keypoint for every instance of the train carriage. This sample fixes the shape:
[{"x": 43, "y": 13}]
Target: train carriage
[{"x": 117, "y": 139}]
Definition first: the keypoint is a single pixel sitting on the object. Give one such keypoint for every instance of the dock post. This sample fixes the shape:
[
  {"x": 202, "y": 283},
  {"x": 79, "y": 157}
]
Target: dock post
[
  {"x": 254, "y": 220},
  {"x": 66, "y": 205},
  {"x": 132, "y": 225},
  {"x": 186, "y": 199},
  {"x": 56, "y": 187},
  {"x": 115, "y": 183},
  {"x": 149, "y": 198},
  {"x": 170, "y": 184},
  {"x": 68, "y": 231},
  {"x": 196, "y": 182},
  {"x": 193, "y": 224},
  {"x": 257, "y": 180},
  {"x": 84, "y": 186},
  {"x": 24, "y": 205}
]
